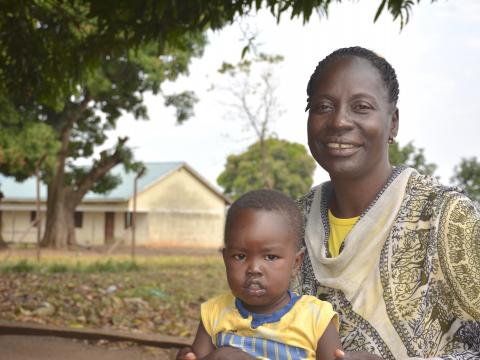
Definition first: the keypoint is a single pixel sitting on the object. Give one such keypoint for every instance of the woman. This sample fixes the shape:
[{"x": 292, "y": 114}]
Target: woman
[{"x": 396, "y": 253}]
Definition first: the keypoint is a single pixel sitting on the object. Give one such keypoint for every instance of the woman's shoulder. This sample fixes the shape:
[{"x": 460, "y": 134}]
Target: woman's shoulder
[
  {"x": 425, "y": 195},
  {"x": 306, "y": 200},
  {"x": 431, "y": 187}
]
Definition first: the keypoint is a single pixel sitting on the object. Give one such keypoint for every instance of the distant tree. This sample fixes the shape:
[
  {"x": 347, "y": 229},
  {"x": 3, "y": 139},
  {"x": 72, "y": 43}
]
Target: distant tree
[
  {"x": 467, "y": 176},
  {"x": 290, "y": 169},
  {"x": 252, "y": 91},
  {"x": 411, "y": 156},
  {"x": 24, "y": 148}
]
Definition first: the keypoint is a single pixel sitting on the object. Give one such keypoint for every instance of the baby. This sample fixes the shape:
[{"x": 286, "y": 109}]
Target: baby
[{"x": 261, "y": 316}]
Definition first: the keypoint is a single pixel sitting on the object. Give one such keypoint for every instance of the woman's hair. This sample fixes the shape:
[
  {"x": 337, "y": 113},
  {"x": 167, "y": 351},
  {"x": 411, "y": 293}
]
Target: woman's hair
[
  {"x": 269, "y": 200},
  {"x": 386, "y": 70}
]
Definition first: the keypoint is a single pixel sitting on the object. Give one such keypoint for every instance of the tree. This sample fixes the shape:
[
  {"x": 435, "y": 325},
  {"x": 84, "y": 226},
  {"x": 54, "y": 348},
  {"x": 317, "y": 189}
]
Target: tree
[
  {"x": 254, "y": 100},
  {"x": 24, "y": 148},
  {"x": 290, "y": 166},
  {"x": 411, "y": 156},
  {"x": 47, "y": 46},
  {"x": 467, "y": 176},
  {"x": 115, "y": 87},
  {"x": 80, "y": 127},
  {"x": 71, "y": 68}
]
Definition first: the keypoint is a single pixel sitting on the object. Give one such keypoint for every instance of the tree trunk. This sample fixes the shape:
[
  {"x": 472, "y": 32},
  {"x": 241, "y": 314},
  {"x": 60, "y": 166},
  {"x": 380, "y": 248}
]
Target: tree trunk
[
  {"x": 60, "y": 226},
  {"x": 62, "y": 201},
  {"x": 3, "y": 244},
  {"x": 268, "y": 182}
]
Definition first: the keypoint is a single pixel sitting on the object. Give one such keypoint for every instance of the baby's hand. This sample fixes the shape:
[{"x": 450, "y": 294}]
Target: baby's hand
[{"x": 186, "y": 354}]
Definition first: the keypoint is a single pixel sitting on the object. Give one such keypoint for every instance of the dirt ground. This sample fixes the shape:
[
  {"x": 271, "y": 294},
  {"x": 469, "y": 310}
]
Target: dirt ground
[
  {"x": 29, "y": 347},
  {"x": 14, "y": 347}
]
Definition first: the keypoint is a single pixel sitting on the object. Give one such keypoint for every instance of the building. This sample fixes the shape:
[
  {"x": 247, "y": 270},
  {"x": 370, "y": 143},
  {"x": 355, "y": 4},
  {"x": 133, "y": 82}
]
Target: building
[{"x": 175, "y": 206}]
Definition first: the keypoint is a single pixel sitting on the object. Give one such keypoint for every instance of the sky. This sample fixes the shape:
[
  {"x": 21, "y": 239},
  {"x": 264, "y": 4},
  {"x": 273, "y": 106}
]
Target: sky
[{"x": 436, "y": 57}]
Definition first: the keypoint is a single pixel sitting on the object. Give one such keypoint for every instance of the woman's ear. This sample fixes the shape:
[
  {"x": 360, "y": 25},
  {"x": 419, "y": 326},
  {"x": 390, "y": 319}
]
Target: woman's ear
[{"x": 394, "y": 123}]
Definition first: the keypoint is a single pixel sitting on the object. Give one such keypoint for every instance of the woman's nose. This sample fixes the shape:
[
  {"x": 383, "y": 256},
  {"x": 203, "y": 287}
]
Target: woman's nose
[{"x": 340, "y": 119}]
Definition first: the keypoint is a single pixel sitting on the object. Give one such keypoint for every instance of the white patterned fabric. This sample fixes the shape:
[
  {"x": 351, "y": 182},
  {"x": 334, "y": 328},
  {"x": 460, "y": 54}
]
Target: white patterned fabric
[{"x": 407, "y": 281}]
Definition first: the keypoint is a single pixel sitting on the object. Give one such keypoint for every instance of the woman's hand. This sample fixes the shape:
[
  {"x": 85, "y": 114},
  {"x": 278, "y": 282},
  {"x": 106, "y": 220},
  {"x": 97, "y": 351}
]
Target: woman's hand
[{"x": 356, "y": 355}]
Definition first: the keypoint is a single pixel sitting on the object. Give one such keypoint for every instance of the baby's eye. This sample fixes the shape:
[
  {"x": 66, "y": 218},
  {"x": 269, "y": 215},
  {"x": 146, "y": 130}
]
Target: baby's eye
[
  {"x": 271, "y": 257},
  {"x": 239, "y": 257}
]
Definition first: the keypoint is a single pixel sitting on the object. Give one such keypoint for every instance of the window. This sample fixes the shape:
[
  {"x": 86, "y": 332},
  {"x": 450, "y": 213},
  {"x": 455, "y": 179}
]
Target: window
[
  {"x": 127, "y": 219},
  {"x": 78, "y": 219},
  {"x": 33, "y": 216}
]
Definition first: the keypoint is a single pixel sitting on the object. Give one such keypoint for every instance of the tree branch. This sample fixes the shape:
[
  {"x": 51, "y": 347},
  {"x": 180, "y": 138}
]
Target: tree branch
[{"x": 99, "y": 169}]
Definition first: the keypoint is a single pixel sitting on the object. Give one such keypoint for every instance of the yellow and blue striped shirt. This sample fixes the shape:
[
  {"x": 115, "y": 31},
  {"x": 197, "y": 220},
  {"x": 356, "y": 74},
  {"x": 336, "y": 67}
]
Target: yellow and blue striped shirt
[{"x": 292, "y": 336}]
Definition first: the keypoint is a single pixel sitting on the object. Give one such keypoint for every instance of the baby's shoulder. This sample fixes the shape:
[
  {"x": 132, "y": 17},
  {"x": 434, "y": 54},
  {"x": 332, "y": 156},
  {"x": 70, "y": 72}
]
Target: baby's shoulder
[
  {"x": 219, "y": 301},
  {"x": 313, "y": 302}
]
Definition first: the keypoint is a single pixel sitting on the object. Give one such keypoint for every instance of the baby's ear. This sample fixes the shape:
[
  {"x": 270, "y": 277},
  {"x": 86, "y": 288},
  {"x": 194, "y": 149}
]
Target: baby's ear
[
  {"x": 224, "y": 252},
  {"x": 298, "y": 260}
]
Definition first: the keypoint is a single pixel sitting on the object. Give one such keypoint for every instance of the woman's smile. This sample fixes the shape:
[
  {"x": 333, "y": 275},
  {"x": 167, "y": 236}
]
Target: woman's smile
[{"x": 338, "y": 149}]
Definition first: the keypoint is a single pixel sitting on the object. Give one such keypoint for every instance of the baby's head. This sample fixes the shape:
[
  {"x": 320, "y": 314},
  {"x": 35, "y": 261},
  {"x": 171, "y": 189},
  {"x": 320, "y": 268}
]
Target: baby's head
[{"x": 262, "y": 249}]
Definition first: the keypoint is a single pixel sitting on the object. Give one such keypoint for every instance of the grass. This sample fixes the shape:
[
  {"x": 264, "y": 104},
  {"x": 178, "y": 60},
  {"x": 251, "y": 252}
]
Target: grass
[
  {"x": 155, "y": 294},
  {"x": 68, "y": 265}
]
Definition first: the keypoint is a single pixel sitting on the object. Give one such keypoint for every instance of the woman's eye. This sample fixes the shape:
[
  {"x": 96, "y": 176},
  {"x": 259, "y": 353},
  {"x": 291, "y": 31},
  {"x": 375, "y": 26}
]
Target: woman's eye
[
  {"x": 362, "y": 107},
  {"x": 239, "y": 257},
  {"x": 322, "y": 108},
  {"x": 271, "y": 257}
]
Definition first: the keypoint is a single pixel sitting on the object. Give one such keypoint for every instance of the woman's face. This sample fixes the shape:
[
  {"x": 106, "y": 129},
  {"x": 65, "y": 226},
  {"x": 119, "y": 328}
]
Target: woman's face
[{"x": 351, "y": 119}]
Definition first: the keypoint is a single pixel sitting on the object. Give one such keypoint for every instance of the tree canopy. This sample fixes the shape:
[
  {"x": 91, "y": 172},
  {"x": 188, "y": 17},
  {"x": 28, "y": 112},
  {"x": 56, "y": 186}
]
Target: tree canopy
[
  {"x": 47, "y": 46},
  {"x": 467, "y": 176},
  {"x": 411, "y": 156},
  {"x": 290, "y": 169}
]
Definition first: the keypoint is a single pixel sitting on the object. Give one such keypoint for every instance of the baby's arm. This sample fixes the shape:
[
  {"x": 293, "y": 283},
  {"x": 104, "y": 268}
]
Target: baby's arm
[
  {"x": 328, "y": 343},
  {"x": 202, "y": 345}
]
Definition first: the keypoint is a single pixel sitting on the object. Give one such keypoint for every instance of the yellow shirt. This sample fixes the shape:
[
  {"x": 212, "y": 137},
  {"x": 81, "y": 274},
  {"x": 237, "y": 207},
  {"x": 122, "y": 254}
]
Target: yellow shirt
[
  {"x": 339, "y": 229},
  {"x": 290, "y": 333}
]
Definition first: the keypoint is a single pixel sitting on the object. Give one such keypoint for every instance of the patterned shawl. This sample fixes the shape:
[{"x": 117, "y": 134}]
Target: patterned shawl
[{"x": 407, "y": 282}]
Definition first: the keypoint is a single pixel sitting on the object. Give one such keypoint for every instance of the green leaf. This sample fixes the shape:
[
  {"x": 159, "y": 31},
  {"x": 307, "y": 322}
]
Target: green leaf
[{"x": 379, "y": 10}]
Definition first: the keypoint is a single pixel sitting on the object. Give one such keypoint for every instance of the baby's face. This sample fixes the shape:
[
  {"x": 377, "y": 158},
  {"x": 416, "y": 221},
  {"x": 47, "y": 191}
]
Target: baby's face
[{"x": 260, "y": 258}]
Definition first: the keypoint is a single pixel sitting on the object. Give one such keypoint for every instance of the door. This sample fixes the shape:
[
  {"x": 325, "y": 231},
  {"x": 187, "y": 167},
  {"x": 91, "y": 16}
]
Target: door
[{"x": 109, "y": 225}]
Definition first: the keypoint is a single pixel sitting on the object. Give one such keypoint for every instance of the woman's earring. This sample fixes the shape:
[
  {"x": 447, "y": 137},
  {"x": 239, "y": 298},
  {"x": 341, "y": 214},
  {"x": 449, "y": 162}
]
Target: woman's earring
[{"x": 390, "y": 140}]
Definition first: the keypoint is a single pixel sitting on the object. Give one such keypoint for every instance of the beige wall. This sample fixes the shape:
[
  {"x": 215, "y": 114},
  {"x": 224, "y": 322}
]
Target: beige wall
[
  {"x": 186, "y": 229},
  {"x": 16, "y": 227},
  {"x": 92, "y": 231},
  {"x": 180, "y": 191},
  {"x": 183, "y": 211}
]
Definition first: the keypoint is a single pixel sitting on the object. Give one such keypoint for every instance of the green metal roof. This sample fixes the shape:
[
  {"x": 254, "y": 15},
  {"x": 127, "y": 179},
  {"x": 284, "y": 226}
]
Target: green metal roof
[{"x": 26, "y": 190}]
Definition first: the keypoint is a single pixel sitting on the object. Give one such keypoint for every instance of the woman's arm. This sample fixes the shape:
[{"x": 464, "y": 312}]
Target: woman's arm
[{"x": 328, "y": 343}]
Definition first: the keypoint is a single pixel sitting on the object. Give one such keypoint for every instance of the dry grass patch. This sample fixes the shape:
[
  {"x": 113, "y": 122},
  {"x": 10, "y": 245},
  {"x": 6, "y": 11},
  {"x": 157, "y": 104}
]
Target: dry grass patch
[{"x": 157, "y": 293}]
